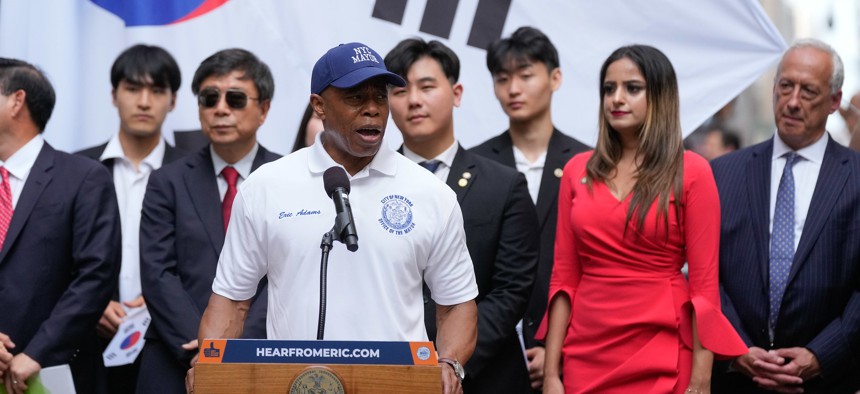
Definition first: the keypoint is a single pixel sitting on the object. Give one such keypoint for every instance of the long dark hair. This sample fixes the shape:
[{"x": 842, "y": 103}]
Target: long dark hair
[
  {"x": 660, "y": 153},
  {"x": 302, "y": 134}
]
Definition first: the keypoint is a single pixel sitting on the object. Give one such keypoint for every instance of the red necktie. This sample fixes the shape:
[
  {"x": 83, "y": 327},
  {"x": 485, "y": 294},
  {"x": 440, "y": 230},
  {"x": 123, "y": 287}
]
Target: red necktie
[
  {"x": 5, "y": 205},
  {"x": 231, "y": 176}
]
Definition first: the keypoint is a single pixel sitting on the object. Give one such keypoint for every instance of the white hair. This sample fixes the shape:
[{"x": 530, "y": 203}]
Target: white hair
[{"x": 838, "y": 68}]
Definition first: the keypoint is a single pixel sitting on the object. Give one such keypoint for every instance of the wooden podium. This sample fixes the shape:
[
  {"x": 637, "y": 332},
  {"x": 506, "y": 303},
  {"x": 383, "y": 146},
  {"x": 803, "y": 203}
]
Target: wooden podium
[{"x": 272, "y": 366}]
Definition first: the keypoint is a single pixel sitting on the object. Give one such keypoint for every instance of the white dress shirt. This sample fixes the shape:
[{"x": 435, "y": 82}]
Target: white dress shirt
[
  {"x": 532, "y": 170},
  {"x": 130, "y": 184},
  {"x": 20, "y": 164},
  {"x": 243, "y": 167},
  {"x": 446, "y": 158},
  {"x": 805, "y": 171}
]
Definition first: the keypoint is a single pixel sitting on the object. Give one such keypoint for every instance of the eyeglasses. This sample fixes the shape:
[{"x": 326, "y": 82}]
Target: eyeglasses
[{"x": 236, "y": 99}]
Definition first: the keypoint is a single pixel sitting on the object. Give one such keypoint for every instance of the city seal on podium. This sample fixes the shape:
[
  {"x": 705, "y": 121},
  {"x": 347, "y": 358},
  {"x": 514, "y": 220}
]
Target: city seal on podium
[{"x": 317, "y": 380}]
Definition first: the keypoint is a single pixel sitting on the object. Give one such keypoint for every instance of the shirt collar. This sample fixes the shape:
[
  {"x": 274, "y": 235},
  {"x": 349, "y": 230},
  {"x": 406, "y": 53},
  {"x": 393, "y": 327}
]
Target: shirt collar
[
  {"x": 243, "y": 166},
  {"x": 20, "y": 163},
  {"x": 813, "y": 152},
  {"x": 446, "y": 157},
  {"x": 520, "y": 159},
  {"x": 383, "y": 162},
  {"x": 113, "y": 150}
]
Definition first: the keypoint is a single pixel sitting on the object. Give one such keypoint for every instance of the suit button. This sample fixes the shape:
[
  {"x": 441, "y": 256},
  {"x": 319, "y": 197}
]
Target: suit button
[
  {"x": 531, "y": 323},
  {"x": 426, "y": 300}
]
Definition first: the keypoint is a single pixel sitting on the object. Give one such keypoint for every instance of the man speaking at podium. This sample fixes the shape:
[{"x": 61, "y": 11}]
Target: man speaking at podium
[{"x": 408, "y": 223}]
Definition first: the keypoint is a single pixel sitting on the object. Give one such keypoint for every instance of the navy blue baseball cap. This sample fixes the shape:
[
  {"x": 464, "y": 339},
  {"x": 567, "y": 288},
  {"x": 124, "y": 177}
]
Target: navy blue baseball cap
[{"x": 348, "y": 65}]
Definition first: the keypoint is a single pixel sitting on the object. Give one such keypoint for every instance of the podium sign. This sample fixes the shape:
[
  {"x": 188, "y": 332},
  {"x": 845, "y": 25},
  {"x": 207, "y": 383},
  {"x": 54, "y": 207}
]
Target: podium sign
[
  {"x": 317, "y": 352},
  {"x": 300, "y": 367}
]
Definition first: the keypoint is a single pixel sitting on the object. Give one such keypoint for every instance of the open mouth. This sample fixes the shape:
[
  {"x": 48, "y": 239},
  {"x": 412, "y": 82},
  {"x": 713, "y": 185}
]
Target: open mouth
[{"x": 369, "y": 132}]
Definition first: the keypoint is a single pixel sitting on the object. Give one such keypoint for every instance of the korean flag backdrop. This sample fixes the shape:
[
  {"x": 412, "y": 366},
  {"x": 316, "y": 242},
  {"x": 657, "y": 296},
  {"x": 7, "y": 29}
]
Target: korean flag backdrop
[{"x": 717, "y": 47}]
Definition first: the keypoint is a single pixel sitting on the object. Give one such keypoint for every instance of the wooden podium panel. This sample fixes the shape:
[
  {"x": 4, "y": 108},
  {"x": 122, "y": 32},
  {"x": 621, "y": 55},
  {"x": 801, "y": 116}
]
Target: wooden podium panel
[{"x": 277, "y": 378}]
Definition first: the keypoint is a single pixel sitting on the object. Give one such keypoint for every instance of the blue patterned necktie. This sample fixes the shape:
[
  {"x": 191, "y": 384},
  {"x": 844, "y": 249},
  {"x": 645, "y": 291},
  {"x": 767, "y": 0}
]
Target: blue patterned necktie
[
  {"x": 430, "y": 165},
  {"x": 781, "y": 240}
]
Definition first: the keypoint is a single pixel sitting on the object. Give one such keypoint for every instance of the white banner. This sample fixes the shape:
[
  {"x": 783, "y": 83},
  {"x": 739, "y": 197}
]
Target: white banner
[{"x": 717, "y": 47}]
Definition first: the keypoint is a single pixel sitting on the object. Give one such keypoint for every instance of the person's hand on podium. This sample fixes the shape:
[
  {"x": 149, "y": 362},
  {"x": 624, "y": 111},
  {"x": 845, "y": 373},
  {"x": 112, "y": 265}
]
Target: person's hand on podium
[
  {"x": 189, "y": 376},
  {"x": 450, "y": 381}
]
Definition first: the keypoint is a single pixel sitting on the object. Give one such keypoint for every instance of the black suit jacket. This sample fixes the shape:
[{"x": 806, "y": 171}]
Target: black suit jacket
[
  {"x": 181, "y": 235},
  {"x": 60, "y": 260},
  {"x": 117, "y": 379},
  {"x": 502, "y": 237},
  {"x": 821, "y": 305},
  {"x": 95, "y": 153},
  {"x": 561, "y": 149}
]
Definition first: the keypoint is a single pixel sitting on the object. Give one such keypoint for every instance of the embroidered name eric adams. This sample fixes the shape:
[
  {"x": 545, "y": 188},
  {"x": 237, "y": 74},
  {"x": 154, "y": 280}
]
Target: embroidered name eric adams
[{"x": 396, "y": 215}]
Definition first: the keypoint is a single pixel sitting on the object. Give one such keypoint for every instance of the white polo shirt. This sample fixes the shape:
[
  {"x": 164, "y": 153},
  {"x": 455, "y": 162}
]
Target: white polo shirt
[{"x": 409, "y": 227}]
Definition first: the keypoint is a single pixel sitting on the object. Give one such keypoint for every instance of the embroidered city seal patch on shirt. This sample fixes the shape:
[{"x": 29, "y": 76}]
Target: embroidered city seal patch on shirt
[{"x": 396, "y": 215}]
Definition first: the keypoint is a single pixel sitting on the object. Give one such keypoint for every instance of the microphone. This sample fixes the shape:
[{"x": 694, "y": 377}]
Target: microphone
[{"x": 336, "y": 186}]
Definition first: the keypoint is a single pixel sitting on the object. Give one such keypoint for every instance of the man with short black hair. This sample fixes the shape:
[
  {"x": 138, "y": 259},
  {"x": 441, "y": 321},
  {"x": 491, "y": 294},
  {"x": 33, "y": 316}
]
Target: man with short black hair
[
  {"x": 59, "y": 240},
  {"x": 525, "y": 71},
  {"x": 186, "y": 213},
  {"x": 145, "y": 80},
  {"x": 500, "y": 220}
]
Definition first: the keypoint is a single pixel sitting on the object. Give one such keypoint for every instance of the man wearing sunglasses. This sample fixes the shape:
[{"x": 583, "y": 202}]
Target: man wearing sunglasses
[
  {"x": 145, "y": 80},
  {"x": 408, "y": 223},
  {"x": 186, "y": 211}
]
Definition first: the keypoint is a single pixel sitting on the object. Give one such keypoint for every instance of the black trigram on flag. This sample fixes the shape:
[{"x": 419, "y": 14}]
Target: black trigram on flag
[{"x": 439, "y": 18}]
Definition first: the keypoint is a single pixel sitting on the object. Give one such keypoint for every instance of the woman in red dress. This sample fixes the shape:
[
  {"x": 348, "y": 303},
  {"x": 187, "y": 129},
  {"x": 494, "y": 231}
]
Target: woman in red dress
[{"x": 622, "y": 318}]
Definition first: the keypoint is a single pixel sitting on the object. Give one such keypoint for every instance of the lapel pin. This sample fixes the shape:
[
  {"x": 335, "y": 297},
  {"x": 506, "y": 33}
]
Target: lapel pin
[
  {"x": 583, "y": 180},
  {"x": 462, "y": 182},
  {"x": 558, "y": 172},
  {"x": 467, "y": 175}
]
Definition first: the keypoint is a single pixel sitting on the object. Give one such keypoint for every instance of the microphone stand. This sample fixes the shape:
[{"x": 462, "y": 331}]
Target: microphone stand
[
  {"x": 325, "y": 245},
  {"x": 336, "y": 233}
]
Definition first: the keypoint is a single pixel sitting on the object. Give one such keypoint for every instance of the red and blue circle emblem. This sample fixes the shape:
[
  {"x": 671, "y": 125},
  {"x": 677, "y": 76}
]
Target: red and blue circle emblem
[
  {"x": 158, "y": 12},
  {"x": 130, "y": 340}
]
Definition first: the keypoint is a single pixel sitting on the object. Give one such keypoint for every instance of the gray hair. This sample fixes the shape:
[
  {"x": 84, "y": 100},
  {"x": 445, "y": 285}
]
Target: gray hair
[{"x": 838, "y": 68}]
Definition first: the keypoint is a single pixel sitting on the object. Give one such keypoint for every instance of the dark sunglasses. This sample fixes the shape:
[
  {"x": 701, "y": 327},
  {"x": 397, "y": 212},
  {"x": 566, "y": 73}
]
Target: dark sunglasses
[{"x": 236, "y": 99}]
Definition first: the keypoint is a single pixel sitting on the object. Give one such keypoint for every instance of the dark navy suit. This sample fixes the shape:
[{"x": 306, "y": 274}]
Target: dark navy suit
[
  {"x": 502, "y": 237},
  {"x": 121, "y": 379},
  {"x": 821, "y": 305},
  {"x": 60, "y": 262},
  {"x": 181, "y": 236},
  {"x": 561, "y": 149}
]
